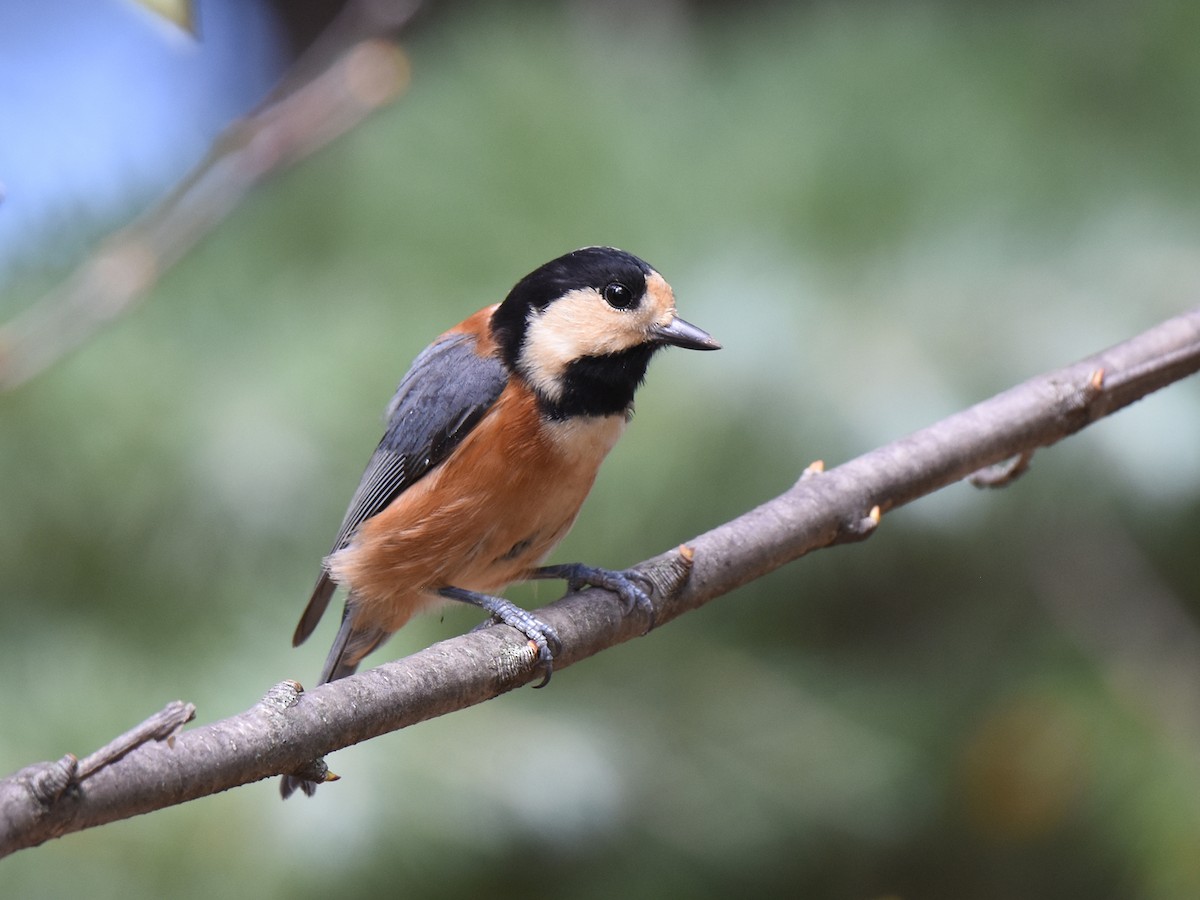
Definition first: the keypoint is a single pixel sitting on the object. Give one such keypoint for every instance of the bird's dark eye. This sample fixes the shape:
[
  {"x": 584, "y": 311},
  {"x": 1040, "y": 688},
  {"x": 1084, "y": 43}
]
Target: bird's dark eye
[{"x": 618, "y": 296}]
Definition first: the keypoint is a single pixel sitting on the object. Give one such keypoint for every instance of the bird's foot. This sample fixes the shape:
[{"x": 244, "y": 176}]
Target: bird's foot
[
  {"x": 540, "y": 633},
  {"x": 630, "y": 585}
]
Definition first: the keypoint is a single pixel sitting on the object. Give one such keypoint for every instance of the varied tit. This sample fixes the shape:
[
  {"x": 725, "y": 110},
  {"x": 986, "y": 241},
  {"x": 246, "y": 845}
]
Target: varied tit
[{"x": 493, "y": 440}]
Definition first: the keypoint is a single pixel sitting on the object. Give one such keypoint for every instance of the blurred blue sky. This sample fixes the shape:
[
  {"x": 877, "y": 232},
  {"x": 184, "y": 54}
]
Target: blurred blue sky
[{"x": 103, "y": 104}]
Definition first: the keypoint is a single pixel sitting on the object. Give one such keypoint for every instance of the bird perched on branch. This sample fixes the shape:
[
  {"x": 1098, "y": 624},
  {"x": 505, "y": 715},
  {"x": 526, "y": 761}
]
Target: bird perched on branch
[{"x": 493, "y": 440}]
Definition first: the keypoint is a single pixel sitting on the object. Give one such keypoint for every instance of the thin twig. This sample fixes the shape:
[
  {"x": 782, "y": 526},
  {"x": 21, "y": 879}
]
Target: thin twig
[
  {"x": 289, "y": 730},
  {"x": 164, "y": 725},
  {"x": 49, "y": 781},
  {"x": 126, "y": 265}
]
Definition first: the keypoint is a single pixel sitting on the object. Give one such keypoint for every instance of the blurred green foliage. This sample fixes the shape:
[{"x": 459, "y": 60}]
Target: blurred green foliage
[{"x": 885, "y": 212}]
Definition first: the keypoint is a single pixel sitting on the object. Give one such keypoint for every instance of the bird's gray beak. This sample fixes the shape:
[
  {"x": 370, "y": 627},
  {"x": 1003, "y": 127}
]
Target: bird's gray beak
[{"x": 679, "y": 333}]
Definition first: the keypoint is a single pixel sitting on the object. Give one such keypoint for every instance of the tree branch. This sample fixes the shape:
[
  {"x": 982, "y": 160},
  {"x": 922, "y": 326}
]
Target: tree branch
[
  {"x": 304, "y": 115},
  {"x": 288, "y": 731}
]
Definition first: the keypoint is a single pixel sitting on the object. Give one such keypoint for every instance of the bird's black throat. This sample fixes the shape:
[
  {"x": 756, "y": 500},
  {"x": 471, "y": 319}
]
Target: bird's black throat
[{"x": 599, "y": 385}]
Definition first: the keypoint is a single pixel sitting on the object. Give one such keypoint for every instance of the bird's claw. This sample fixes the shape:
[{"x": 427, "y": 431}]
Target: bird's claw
[
  {"x": 634, "y": 590},
  {"x": 630, "y": 585},
  {"x": 539, "y": 633}
]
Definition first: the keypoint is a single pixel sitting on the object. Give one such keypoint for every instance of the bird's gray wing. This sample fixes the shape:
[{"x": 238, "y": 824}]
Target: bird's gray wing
[{"x": 449, "y": 388}]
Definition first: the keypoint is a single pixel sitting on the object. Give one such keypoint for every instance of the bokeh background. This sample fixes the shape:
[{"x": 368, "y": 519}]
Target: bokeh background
[{"x": 886, "y": 211}]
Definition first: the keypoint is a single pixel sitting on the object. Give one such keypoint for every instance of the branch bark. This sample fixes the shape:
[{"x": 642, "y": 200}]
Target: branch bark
[{"x": 289, "y": 731}]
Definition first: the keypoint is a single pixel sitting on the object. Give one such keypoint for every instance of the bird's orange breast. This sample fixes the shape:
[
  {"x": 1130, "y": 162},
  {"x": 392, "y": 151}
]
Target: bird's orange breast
[{"x": 483, "y": 518}]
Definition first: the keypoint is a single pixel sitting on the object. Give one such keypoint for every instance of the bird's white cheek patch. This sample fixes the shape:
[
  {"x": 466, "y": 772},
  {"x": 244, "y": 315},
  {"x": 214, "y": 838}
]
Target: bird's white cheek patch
[{"x": 577, "y": 324}]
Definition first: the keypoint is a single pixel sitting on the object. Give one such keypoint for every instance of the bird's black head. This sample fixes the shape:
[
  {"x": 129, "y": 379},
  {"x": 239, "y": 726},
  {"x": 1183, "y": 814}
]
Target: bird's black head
[{"x": 581, "y": 330}]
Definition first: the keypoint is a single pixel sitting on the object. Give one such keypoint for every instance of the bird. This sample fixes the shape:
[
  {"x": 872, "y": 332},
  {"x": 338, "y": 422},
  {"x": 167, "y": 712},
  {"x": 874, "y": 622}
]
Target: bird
[{"x": 493, "y": 440}]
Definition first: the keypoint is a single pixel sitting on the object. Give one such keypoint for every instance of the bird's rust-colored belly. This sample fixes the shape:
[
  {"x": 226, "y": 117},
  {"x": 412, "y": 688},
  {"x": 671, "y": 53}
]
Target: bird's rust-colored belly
[{"x": 517, "y": 484}]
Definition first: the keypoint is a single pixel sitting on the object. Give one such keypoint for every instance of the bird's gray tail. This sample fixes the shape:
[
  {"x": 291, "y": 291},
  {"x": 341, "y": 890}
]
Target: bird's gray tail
[{"x": 349, "y": 647}]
